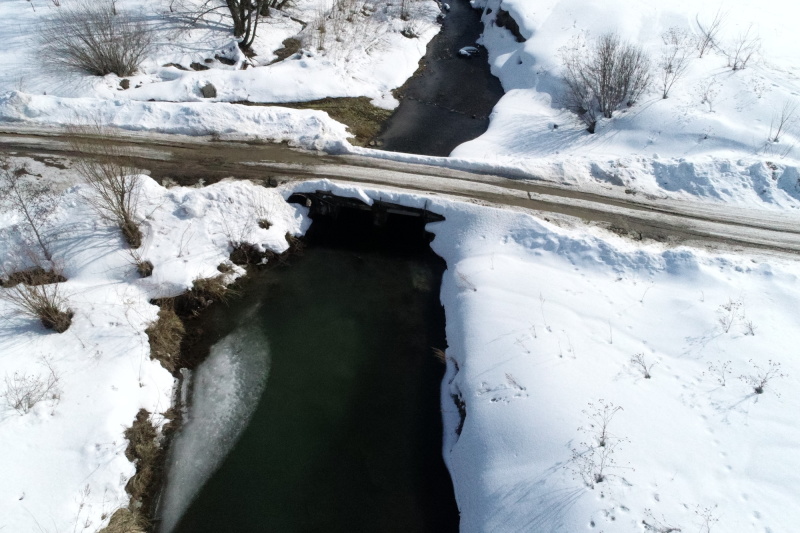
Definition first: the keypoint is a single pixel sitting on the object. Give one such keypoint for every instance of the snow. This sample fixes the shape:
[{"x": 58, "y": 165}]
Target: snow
[
  {"x": 716, "y": 151},
  {"x": 310, "y": 129},
  {"x": 366, "y": 57},
  {"x": 543, "y": 316}
]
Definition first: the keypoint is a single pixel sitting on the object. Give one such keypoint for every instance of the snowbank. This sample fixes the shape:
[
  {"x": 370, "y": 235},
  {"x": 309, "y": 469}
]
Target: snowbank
[{"x": 302, "y": 128}]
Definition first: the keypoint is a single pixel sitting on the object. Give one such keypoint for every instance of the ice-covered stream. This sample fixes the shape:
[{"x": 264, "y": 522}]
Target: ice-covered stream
[{"x": 225, "y": 391}]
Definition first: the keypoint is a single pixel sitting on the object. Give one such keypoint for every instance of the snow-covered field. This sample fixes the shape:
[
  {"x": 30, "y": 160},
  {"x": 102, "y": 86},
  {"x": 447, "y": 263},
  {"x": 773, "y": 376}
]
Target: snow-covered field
[
  {"x": 709, "y": 138},
  {"x": 361, "y": 52}
]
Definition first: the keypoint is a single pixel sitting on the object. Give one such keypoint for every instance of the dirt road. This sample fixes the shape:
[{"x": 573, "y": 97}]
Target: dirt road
[{"x": 188, "y": 160}]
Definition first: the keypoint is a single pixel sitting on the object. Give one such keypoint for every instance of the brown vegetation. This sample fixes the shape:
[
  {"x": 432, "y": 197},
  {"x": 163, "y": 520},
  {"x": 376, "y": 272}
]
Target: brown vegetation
[{"x": 165, "y": 335}]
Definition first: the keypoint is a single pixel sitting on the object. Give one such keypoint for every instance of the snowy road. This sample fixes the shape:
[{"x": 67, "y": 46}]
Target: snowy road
[{"x": 189, "y": 159}]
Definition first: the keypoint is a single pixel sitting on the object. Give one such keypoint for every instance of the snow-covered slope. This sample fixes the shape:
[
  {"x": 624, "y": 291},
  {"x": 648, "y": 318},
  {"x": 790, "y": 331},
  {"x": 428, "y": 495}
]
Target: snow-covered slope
[
  {"x": 366, "y": 55},
  {"x": 709, "y": 138}
]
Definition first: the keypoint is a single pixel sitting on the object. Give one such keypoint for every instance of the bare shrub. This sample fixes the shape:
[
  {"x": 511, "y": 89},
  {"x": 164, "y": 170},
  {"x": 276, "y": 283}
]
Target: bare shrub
[
  {"x": 730, "y": 313},
  {"x": 35, "y": 201},
  {"x": 719, "y": 371},
  {"x": 144, "y": 267},
  {"x": 346, "y": 26},
  {"x": 760, "y": 377},
  {"x": 675, "y": 58},
  {"x": 165, "y": 336},
  {"x": 108, "y": 169},
  {"x": 782, "y": 121},
  {"x": 41, "y": 301},
  {"x": 593, "y": 462},
  {"x": 707, "y": 516},
  {"x": 639, "y": 361},
  {"x": 743, "y": 48},
  {"x": 707, "y": 91},
  {"x": 656, "y": 525},
  {"x": 94, "y": 37},
  {"x": 24, "y": 391},
  {"x": 600, "y": 80},
  {"x": 709, "y": 32}
]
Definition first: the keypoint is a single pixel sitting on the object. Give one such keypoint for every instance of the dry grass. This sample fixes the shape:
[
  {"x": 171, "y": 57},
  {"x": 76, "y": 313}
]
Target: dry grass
[
  {"x": 246, "y": 253},
  {"x": 32, "y": 276},
  {"x": 42, "y": 301},
  {"x": 144, "y": 450},
  {"x": 144, "y": 268},
  {"x": 165, "y": 335},
  {"x": 210, "y": 289},
  {"x": 439, "y": 355},
  {"x": 126, "y": 521}
]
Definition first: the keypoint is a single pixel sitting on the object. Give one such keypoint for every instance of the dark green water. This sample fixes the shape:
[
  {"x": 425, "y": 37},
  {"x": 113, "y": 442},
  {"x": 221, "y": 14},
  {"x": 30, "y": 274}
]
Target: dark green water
[{"x": 347, "y": 435}]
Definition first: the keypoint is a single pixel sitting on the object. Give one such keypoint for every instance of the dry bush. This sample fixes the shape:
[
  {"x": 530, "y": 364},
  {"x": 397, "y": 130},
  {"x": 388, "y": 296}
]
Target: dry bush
[
  {"x": 782, "y": 121},
  {"x": 108, "y": 169},
  {"x": 24, "y": 391},
  {"x": 638, "y": 361},
  {"x": 165, "y": 335},
  {"x": 144, "y": 267},
  {"x": 611, "y": 73},
  {"x": 675, "y": 59},
  {"x": 346, "y": 27},
  {"x": 759, "y": 377},
  {"x": 41, "y": 301},
  {"x": 708, "y": 32},
  {"x": 743, "y": 48},
  {"x": 92, "y": 36}
]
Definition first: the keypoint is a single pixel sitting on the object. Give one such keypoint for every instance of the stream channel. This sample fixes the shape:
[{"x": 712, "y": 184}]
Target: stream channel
[
  {"x": 448, "y": 101},
  {"x": 318, "y": 408}
]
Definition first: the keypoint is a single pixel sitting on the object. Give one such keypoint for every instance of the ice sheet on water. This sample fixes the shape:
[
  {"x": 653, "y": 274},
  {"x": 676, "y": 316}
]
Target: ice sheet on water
[{"x": 226, "y": 390}]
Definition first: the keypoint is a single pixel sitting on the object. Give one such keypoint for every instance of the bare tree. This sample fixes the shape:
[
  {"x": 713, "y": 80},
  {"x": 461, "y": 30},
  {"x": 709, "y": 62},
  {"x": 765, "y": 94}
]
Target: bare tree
[
  {"x": 610, "y": 74},
  {"x": 708, "y": 34},
  {"x": 34, "y": 200},
  {"x": 94, "y": 37},
  {"x": 743, "y": 49},
  {"x": 108, "y": 169},
  {"x": 780, "y": 123},
  {"x": 675, "y": 58}
]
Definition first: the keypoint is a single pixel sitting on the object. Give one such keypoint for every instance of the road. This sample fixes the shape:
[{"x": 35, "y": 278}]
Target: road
[{"x": 190, "y": 159}]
